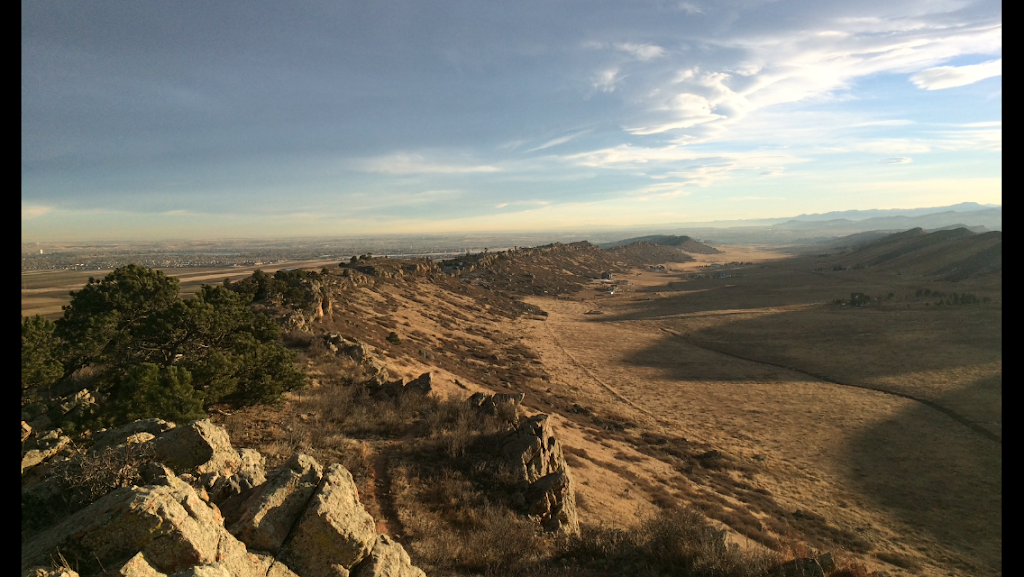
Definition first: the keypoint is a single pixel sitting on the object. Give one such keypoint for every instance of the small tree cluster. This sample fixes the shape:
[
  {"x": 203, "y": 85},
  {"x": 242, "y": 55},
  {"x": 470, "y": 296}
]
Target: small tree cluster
[
  {"x": 952, "y": 298},
  {"x": 157, "y": 355}
]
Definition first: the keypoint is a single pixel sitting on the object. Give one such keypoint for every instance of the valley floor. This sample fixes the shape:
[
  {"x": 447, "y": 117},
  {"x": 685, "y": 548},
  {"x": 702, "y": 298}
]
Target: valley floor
[{"x": 796, "y": 393}]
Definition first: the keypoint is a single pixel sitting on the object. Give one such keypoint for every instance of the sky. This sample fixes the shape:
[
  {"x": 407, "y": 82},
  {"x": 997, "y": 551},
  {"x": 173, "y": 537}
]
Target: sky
[{"x": 194, "y": 119}]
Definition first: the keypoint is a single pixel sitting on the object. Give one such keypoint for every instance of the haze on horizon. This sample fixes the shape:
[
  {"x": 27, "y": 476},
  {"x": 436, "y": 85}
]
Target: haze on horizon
[{"x": 198, "y": 120}]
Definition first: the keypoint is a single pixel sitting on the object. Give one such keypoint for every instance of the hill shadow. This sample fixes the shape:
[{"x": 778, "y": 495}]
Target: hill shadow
[
  {"x": 933, "y": 466},
  {"x": 936, "y": 477}
]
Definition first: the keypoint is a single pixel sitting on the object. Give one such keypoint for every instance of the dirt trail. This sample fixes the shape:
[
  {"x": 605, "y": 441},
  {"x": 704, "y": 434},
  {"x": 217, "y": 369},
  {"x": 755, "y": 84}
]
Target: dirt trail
[
  {"x": 879, "y": 463},
  {"x": 944, "y": 410},
  {"x": 388, "y": 523},
  {"x": 591, "y": 375}
]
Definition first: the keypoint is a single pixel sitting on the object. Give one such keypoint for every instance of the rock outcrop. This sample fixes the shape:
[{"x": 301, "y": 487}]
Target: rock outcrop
[
  {"x": 335, "y": 532},
  {"x": 266, "y": 517},
  {"x": 388, "y": 559},
  {"x": 537, "y": 459},
  {"x": 169, "y": 525}
]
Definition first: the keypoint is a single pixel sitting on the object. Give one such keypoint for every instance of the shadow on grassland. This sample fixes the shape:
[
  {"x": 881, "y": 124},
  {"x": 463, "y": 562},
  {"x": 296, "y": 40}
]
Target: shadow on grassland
[{"x": 936, "y": 476}]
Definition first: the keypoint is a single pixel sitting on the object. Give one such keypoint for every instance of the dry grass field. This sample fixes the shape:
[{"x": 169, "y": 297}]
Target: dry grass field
[
  {"x": 880, "y": 424},
  {"x": 797, "y": 423}
]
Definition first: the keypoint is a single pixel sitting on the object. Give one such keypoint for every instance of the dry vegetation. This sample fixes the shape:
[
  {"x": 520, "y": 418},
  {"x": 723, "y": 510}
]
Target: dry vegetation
[{"x": 751, "y": 403}]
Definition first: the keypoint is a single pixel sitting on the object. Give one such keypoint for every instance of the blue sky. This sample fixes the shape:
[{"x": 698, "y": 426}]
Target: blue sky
[{"x": 228, "y": 119}]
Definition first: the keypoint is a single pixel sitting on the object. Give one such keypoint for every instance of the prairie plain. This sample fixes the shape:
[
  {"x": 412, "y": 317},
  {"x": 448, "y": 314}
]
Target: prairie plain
[
  {"x": 877, "y": 428},
  {"x": 750, "y": 384}
]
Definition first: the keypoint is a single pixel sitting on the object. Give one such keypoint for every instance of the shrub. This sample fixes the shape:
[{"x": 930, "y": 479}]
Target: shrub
[
  {"x": 40, "y": 363},
  {"x": 148, "y": 390}
]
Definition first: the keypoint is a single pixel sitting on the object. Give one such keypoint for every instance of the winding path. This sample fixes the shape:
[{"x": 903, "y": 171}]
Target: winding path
[{"x": 944, "y": 410}]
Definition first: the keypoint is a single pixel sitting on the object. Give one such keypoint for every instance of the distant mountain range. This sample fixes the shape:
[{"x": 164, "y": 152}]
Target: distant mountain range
[
  {"x": 990, "y": 218},
  {"x": 875, "y": 213}
]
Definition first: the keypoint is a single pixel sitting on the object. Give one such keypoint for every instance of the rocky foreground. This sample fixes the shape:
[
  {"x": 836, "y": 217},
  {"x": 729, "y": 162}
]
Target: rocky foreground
[{"x": 197, "y": 506}]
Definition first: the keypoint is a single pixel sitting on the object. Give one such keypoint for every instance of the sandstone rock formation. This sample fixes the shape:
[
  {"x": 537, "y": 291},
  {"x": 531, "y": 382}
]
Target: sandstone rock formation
[
  {"x": 533, "y": 452},
  {"x": 388, "y": 559},
  {"x": 266, "y": 517},
  {"x": 42, "y": 448},
  {"x": 168, "y": 525},
  {"x": 335, "y": 532}
]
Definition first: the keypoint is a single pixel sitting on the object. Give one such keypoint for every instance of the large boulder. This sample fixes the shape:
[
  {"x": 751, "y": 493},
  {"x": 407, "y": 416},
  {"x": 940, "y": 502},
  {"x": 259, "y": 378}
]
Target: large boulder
[
  {"x": 552, "y": 499},
  {"x": 267, "y": 515},
  {"x": 137, "y": 566},
  {"x": 536, "y": 457},
  {"x": 532, "y": 450},
  {"x": 115, "y": 437},
  {"x": 335, "y": 532},
  {"x": 250, "y": 472},
  {"x": 198, "y": 447},
  {"x": 169, "y": 524},
  {"x": 388, "y": 559}
]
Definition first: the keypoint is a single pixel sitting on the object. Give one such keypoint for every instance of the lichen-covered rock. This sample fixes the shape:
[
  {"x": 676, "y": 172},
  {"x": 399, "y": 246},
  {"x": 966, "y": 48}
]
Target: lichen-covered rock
[
  {"x": 268, "y": 514},
  {"x": 335, "y": 532},
  {"x": 532, "y": 449},
  {"x": 169, "y": 524},
  {"x": 552, "y": 499},
  {"x": 199, "y": 446},
  {"x": 114, "y": 437},
  {"x": 388, "y": 559},
  {"x": 137, "y": 566},
  {"x": 249, "y": 473},
  {"x": 46, "y": 446}
]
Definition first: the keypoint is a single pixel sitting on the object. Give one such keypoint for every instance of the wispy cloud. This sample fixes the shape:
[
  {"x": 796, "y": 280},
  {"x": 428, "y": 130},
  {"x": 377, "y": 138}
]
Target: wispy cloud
[
  {"x": 30, "y": 212},
  {"x": 641, "y": 51},
  {"x": 942, "y": 77},
  {"x": 896, "y": 160},
  {"x": 559, "y": 140},
  {"x": 893, "y": 146},
  {"x": 417, "y": 164},
  {"x": 606, "y": 80}
]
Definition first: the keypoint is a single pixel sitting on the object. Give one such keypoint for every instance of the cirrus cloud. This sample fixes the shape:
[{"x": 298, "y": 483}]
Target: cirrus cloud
[{"x": 942, "y": 77}]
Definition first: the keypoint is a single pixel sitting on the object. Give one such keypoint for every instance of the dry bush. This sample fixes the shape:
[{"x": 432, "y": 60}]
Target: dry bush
[
  {"x": 298, "y": 339},
  {"x": 80, "y": 480},
  {"x": 673, "y": 542},
  {"x": 899, "y": 560},
  {"x": 455, "y": 527}
]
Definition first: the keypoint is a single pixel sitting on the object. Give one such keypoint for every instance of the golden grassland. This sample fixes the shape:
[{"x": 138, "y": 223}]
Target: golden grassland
[
  {"x": 794, "y": 422},
  {"x": 765, "y": 368}
]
